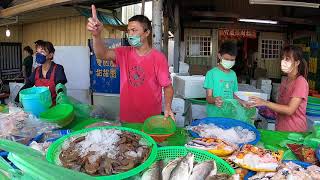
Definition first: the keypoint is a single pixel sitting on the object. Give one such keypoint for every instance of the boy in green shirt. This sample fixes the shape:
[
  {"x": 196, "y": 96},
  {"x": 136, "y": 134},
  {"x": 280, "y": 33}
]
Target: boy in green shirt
[{"x": 221, "y": 82}]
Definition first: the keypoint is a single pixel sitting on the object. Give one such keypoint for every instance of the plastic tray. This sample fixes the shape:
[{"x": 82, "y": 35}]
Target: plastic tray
[
  {"x": 226, "y": 123},
  {"x": 172, "y": 152},
  {"x": 62, "y": 114},
  {"x": 55, "y": 149}
]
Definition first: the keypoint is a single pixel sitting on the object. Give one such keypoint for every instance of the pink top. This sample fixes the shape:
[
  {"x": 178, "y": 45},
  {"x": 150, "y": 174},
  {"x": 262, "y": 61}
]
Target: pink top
[
  {"x": 141, "y": 82},
  {"x": 297, "y": 122}
]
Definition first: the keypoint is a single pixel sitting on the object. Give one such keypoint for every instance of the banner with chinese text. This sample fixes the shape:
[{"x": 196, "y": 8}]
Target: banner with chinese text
[
  {"x": 237, "y": 33},
  {"x": 104, "y": 74}
]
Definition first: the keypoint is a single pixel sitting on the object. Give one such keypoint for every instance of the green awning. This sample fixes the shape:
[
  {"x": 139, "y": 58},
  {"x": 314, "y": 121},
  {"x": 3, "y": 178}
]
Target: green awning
[{"x": 105, "y": 18}]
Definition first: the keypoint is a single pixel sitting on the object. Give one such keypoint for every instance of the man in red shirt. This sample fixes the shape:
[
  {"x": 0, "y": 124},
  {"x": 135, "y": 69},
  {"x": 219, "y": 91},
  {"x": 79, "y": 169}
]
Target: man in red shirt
[{"x": 143, "y": 70}]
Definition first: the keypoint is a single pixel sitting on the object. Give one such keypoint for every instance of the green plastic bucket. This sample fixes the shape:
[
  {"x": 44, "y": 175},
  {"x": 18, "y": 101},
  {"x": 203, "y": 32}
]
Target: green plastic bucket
[
  {"x": 61, "y": 114},
  {"x": 55, "y": 149},
  {"x": 173, "y": 152},
  {"x": 36, "y": 100}
]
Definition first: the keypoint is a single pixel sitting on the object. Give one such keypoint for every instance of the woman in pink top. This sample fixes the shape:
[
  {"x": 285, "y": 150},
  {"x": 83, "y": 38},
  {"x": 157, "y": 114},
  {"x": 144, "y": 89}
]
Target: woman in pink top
[{"x": 293, "y": 96}]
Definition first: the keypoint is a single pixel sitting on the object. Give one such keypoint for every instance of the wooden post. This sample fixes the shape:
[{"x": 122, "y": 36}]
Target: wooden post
[
  {"x": 157, "y": 24},
  {"x": 165, "y": 34},
  {"x": 177, "y": 42},
  {"x": 143, "y": 6}
]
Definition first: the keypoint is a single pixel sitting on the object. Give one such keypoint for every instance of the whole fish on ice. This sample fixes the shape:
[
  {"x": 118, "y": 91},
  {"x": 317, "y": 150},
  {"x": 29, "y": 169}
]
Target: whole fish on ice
[
  {"x": 154, "y": 172},
  {"x": 166, "y": 172},
  {"x": 183, "y": 169},
  {"x": 202, "y": 170}
]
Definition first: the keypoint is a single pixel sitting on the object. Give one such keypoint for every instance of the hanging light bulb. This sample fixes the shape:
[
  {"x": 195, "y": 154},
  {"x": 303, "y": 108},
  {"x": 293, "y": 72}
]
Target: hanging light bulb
[{"x": 8, "y": 33}]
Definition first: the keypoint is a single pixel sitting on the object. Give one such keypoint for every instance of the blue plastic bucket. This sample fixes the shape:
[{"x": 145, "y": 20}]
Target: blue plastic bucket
[{"x": 36, "y": 100}]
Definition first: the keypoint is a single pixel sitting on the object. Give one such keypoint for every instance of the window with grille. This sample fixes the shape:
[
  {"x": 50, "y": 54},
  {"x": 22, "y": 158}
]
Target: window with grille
[
  {"x": 199, "y": 46},
  {"x": 271, "y": 48}
]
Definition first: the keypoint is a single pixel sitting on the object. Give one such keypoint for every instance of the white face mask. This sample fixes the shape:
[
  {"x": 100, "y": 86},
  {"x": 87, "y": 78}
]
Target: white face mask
[
  {"x": 227, "y": 64},
  {"x": 286, "y": 66}
]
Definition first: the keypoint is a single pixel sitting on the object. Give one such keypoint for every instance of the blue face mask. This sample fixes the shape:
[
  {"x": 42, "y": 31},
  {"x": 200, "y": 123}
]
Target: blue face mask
[
  {"x": 40, "y": 58},
  {"x": 135, "y": 41}
]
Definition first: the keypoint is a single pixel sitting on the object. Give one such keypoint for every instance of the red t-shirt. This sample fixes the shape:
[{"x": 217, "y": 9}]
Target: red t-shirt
[
  {"x": 296, "y": 122},
  {"x": 141, "y": 82}
]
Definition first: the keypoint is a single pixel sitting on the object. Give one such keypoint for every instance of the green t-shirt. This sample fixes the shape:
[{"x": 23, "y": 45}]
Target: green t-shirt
[{"x": 223, "y": 85}]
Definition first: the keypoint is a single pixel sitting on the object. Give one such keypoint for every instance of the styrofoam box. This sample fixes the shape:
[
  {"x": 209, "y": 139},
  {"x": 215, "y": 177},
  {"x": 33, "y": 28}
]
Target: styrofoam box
[
  {"x": 184, "y": 119},
  {"x": 199, "y": 111},
  {"x": 178, "y": 105},
  {"x": 253, "y": 83},
  {"x": 189, "y": 86},
  {"x": 180, "y": 120},
  {"x": 244, "y": 95},
  {"x": 265, "y": 86},
  {"x": 271, "y": 126},
  {"x": 264, "y": 81}
]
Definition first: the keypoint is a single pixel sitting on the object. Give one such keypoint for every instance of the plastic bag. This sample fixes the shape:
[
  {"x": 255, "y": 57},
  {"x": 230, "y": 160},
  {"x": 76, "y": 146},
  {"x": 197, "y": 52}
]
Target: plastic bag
[
  {"x": 98, "y": 112},
  {"x": 231, "y": 108},
  {"x": 82, "y": 111},
  {"x": 20, "y": 126},
  {"x": 7, "y": 172},
  {"x": 40, "y": 169}
]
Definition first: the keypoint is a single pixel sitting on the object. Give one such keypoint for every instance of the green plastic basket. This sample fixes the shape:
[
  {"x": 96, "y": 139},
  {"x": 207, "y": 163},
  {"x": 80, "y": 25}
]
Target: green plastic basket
[
  {"x": 62, "y": 114},
  {"x": 55, "y": 149},
  {"x": 179, "y": 138},
  {"x": 159, "y": 128},
  {"x": 173, "y": 152},
  {"x": 157, "y": 125}
]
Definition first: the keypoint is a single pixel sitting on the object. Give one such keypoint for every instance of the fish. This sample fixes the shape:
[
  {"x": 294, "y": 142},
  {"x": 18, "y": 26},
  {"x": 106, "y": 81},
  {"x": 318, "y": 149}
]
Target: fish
[
  {"x": 183, "y": 169},
  {"x": 224, "y": 177},
  {"x": 262, "y": 175},
  {"x": 154, "y": 172},
  {"x": 166, "y": 171},
  {"x": 202, "y": 170}
]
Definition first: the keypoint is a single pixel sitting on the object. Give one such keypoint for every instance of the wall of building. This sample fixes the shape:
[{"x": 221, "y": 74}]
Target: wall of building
[
  {"x": 16, "y": 34},
  {"x": 271, "y": 65},
  {"x": 69, "y": 31}
]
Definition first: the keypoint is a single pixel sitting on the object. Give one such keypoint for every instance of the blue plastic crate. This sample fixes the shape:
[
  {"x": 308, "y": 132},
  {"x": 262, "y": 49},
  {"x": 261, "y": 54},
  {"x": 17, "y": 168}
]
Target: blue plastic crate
[{"x": 226, "y": 123}]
